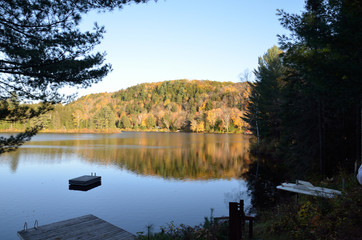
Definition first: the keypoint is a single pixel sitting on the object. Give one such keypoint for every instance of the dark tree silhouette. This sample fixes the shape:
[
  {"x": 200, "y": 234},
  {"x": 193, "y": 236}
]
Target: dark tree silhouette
[{"x": 42, "y": 51}]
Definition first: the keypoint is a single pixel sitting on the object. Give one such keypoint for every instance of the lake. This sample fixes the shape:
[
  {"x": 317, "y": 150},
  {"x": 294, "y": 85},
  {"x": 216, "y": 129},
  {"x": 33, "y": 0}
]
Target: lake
[{"x": 147, "y": 178}]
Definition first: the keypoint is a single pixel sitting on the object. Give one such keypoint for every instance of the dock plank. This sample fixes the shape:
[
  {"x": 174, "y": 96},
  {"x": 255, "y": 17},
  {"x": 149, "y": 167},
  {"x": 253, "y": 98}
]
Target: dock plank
[
  {"x": 77, "y": 230},
  {"x": 59, "y": 227},
  {"x": 87, "y": 227}
]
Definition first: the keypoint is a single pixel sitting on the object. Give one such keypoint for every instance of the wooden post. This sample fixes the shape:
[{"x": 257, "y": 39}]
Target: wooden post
[
  {"x": 234, "y": 222},
  {"x": 251, "y": 221},
  {"x": 237, "y": 220},
  {"x": 250, "y": 228},
  {"x": 242, "y": 214}
]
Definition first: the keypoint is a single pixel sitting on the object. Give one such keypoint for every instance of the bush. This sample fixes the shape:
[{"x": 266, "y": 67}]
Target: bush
[
  {"x": 318, "y": 218},
  {"x": 211, "y": 229}
]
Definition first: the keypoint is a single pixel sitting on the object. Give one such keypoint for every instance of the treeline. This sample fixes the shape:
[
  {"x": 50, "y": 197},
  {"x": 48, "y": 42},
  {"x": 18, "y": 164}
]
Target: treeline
[
  {"x": 196, "y": 106},
  {"x": 306, "y": 102}
]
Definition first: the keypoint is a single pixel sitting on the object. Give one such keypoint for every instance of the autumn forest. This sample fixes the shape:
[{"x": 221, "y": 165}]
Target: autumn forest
[{"x": 179, "y": 105}]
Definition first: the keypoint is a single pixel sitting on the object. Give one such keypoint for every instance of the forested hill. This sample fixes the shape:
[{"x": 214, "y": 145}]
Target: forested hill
[{"x": 198, "y": 106}]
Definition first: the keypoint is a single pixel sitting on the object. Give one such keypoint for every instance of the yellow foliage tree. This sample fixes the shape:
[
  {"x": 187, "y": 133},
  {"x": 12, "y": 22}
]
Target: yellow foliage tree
[
  {"x": 200, "y": 127},
  {"x": 211, "y": 117},
  {"x": 236, "y": 117}
]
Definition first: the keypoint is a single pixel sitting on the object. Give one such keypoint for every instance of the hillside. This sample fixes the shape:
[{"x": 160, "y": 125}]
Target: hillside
[{"x": 198, "y": 106}]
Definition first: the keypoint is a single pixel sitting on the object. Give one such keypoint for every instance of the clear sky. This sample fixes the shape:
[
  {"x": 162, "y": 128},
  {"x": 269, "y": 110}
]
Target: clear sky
[{"x": 186, "y": 39}]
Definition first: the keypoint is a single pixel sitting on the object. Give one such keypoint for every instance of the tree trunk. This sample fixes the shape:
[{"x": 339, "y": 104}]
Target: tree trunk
[
  {"x": 321, "y": 137},
  {"x": 358, "y": 130}
]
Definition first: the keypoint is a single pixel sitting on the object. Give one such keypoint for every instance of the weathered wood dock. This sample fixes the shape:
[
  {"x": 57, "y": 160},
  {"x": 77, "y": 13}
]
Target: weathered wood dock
[
  {"x": 88, "y": 227},
  {"x": 85, "y": 180}
]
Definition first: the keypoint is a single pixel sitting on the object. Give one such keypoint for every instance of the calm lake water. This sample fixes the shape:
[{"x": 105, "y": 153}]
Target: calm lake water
[{"x": 147, "y": 178}]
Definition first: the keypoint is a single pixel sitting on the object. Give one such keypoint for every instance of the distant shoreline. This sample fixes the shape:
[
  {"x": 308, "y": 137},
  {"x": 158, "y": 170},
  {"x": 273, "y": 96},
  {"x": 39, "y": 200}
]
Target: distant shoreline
[
  {"x": 68, "y": 131},
  {"x": 112, "y": 131}
]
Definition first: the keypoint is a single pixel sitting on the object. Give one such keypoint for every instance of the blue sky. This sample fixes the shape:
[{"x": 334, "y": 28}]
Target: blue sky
[{"x": 186, "y": 39}]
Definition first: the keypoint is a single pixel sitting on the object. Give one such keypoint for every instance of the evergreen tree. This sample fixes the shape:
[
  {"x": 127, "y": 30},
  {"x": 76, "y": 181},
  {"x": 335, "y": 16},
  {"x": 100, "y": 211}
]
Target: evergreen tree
[
  {"x": 104, "y": 118},
  {"x": 265, "y": 101},
  {"x": 325, "y": 55},
  {"x": 43, "y": 50},
  {"x": 124, "y": 122},
  {"x": 151, "y": 121},
  {"x": 264, "y": 118}
]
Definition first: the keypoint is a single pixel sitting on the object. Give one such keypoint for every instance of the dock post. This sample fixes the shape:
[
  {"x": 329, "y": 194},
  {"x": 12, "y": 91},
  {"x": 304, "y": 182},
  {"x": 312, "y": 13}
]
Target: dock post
[
  {"x": 237, "y": 220},
  {"x": 242, "y": 214},
  {"x": 235, "y": 230},
  {"x": 250, "y": 228}
]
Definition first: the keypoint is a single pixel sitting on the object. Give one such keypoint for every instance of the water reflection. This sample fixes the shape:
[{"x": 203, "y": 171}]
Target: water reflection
[{"x": 168, "y": 155}]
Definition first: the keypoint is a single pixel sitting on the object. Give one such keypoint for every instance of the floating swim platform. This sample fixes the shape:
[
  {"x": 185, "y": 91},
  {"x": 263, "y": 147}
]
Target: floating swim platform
[
  {"x": 85, "y": 180},
  {"x": 88, "y": 227},
  {"x": 84, "y": 188}
]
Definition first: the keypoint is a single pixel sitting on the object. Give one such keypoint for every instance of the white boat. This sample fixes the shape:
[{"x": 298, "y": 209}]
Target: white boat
[{"x": 304, "y": 187}]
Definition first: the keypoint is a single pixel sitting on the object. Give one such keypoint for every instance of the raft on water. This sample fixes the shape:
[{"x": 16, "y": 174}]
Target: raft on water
[{"x": 85, "y": 180}]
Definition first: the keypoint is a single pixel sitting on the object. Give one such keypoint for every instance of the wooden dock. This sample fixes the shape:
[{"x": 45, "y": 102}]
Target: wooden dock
[{"x": 88, "y": 227}]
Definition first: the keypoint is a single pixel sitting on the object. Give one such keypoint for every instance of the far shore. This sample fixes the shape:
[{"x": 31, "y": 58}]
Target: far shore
[
  {"x": 67, "y": 131},
  {"x": 110, "y": 131}
]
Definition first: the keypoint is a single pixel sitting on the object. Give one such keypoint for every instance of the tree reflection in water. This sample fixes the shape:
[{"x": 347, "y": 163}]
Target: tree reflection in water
[
  {"x": 179, "y": 156},
  {"x": 168, "y": 155}
]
